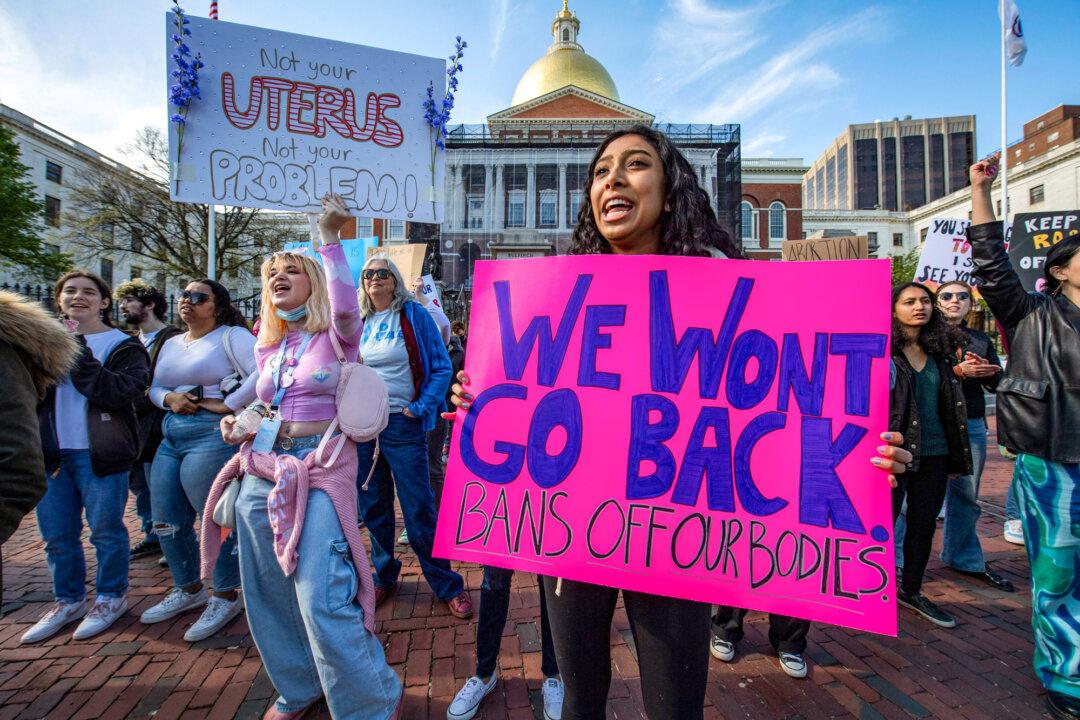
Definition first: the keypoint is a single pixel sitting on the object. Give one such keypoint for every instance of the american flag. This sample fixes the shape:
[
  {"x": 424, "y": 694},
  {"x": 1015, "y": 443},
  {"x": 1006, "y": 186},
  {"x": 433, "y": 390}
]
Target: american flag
[{"x": 213, "y": 10}]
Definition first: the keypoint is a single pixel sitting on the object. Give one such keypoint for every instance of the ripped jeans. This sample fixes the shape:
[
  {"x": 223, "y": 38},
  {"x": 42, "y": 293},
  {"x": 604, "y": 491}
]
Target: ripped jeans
[{"x": 190, "y": 455}]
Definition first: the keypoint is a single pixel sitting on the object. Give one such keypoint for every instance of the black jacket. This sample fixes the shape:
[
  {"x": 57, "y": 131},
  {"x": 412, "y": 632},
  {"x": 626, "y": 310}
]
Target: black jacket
[
  {"x": 904, "y": 412},
  {"x": 1038, "y": 403},
  {"x": 111, "y": 389},
  {"x": 978, "y": 342},
  {"x": 149, "y": 414}
]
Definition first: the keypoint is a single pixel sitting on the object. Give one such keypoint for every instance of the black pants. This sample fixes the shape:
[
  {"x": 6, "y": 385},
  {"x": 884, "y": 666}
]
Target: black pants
[
  {"x": 925, "y": 492},
  {"x": 494, "y": 606},
  {"x": 672, "y": 640},
  {"x": 436, "y": 468},
  {"x": 786, "y": 634}
]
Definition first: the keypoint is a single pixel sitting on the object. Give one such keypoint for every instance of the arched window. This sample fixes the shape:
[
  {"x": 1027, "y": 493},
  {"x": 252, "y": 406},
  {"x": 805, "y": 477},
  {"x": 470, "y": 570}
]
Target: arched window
[
  {"x": 747, "y": 222},
  {"x": 566, "y": 34},
  {"x": 777, "y": 221}
]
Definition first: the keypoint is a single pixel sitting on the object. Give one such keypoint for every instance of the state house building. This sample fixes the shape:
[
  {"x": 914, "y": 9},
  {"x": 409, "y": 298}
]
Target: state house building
[{"x": 514, "y": 185}]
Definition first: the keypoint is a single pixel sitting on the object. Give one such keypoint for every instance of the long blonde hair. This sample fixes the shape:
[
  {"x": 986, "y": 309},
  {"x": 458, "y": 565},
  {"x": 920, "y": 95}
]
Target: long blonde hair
[{"x": 272, "y": 328}]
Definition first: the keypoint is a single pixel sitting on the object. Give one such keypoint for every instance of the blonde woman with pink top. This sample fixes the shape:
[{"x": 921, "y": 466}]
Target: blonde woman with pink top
[{"x": 304, "y": 571}]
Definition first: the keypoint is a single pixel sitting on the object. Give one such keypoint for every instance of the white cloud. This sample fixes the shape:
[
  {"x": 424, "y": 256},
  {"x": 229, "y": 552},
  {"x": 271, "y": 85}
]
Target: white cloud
[
  {"x": 501, "y": 9},
  {"x": 762, "y": 144}
]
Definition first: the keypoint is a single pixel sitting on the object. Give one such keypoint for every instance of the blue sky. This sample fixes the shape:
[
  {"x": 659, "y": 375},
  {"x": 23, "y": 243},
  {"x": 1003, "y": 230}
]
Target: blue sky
[{"x": 793, "y": 73}]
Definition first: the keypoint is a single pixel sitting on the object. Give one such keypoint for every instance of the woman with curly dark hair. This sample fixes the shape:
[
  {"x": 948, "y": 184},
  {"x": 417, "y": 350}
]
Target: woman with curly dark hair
[
  {"x": 641, "y": 198},
  {"x": 926, "y": 405}
]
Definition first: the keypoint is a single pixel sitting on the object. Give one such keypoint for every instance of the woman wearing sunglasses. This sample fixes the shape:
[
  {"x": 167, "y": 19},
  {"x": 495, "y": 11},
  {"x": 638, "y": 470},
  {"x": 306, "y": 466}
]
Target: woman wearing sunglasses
[
  {"x": 187, "y": 385},
  {"x": 402, "y": 343}
]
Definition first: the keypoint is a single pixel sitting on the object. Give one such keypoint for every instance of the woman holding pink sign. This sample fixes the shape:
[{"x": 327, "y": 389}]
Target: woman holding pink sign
[{"x": 642, "y": 197}]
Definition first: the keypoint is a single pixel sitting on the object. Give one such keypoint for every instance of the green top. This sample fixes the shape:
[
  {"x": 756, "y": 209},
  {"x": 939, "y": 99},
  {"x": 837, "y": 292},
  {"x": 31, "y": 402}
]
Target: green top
[{"x": 927, "y": 387}]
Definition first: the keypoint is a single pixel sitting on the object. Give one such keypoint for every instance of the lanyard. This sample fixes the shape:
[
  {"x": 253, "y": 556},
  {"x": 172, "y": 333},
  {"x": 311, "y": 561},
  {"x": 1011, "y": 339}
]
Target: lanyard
[{"x": 281, "y": 383}]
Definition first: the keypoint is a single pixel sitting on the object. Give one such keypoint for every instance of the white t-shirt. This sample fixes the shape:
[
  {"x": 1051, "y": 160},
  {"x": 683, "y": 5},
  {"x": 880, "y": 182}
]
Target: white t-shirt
[
  {"x": 148, "y": 338},
  {"x": 182, "y": 365},
  {"x": 383, "y": 348},
  {"x": 71, "y": 404}
]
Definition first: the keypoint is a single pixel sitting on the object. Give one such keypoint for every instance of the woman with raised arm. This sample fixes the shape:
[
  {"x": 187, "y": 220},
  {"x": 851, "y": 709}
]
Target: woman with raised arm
[
  {"x": 1038, "y": 418},
  {"x": 641, "y": 198},
  {"x": 303, "y": 567}
]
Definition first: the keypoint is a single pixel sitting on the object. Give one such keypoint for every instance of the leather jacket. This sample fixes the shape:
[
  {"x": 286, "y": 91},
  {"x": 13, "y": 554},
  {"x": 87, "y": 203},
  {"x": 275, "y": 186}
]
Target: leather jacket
[
  {"x": 1038, "y": 400},
  {"x": 904, "y": 412}
]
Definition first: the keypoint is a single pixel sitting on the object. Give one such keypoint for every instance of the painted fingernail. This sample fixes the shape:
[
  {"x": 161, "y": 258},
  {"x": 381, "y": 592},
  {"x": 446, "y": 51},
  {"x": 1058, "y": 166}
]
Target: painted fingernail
[
  {"x": 883, "y": 449},
  {"x": 467, "y": 396},
  {"x": 465, "y": 405},
  {"x": 877, "y": 460},
  {"x": 886, "y": 436}
]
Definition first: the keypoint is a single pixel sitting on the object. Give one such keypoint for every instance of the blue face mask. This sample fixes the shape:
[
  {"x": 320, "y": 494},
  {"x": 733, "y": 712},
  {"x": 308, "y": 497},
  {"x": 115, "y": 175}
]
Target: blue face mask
[{"x": 292, "y": 315}]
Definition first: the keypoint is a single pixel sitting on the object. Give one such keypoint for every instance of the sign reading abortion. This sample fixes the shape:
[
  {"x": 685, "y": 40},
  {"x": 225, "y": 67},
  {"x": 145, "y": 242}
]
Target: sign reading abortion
[
  {"x": 946, "y": 254},
  {"x": 1033, "y": 234},
  {"x": 633, "y": 430},
  {"x": 834, "y": 248},
  {"x": 285, "y": 118}
]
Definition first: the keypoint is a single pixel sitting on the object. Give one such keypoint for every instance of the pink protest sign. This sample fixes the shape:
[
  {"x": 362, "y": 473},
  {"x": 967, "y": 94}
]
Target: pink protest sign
[{"x": 689, "y": 427}]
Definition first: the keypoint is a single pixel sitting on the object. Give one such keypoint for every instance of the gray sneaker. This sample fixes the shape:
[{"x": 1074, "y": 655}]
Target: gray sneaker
[
  {"x": 467, "y": 701},
  {"x": 794, "y": 664},
  {"x": 722, "y": 649},
  {"x": 176, "y": 601},
  {"x": 55, "y": 618},
  {"x": 219, "y": 612}
]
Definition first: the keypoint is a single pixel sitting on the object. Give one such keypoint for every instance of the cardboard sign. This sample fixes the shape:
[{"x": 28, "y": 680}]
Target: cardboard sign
[
  {"x": 355, "y": 253},
  {"x": 629, "y": 431},
  {"x": 834, "y": 248},
  {"x": 1033, "y": 234},
  {"x": 285, "y": 118},
  {"x": 946, "y": 254},
  {"x": 409, "y": 259}
]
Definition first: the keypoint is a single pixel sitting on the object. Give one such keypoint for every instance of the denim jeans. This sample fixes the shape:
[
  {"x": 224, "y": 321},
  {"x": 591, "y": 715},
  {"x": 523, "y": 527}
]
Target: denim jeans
[
  {"x": 72, "y": 490},
  {"x": 402, "y": 464},
  {"x": 494, "y": 607},
  {"x": 436, "y": 468},
  {"x": 308, "y": 627},
  {"x": 139, "y": 485},
  {"x": 960, "y": 545},
  {"x": 190, "y": 455}
]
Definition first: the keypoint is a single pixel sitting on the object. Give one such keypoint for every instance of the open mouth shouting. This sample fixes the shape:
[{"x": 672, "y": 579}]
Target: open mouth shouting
[{"x": 616, "y": 208}]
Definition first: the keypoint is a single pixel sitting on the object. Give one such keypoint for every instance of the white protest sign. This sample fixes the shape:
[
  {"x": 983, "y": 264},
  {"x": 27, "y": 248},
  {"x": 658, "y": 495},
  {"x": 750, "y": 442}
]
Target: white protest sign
[
  {"x": 285, "y": 118},
  {"x": 431, "y": 291},
  {"x": 946, "y": 254}
]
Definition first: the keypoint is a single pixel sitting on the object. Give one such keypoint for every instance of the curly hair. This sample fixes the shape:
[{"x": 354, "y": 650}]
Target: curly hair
[
  {"x": 689, "y": 228},
  {"x": 936, "y": 336},
  {"x": 143, "y": 292},
  {"x": 225, "y": 313}
]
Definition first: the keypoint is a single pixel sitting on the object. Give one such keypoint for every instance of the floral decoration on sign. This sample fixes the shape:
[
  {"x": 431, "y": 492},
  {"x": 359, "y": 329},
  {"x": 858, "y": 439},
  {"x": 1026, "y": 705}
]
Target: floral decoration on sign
[
  {"x": 185, "y": 75},
  {"x": 437, "y": 116}
]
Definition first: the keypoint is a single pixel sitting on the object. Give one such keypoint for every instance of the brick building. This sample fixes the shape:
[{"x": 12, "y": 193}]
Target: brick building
[{"x": 771, "y": 205}]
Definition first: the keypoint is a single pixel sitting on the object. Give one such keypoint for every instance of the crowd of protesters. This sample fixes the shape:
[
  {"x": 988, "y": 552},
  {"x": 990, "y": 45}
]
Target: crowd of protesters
[{"x": 177, "y": 417}]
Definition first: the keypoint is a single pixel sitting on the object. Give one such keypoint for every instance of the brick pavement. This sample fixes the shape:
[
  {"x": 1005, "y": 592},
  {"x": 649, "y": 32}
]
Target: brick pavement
[{"x": 981, "y": 669}]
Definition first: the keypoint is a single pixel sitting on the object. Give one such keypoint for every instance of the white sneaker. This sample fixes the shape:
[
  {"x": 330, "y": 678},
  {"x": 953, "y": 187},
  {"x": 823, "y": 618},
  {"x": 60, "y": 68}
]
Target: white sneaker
[
  {"x": 163, "y": 561},
  {"x": 1014, "y": 532},
  {"x": 403, "y": 538},
  {"x": 722, "y": 649},
  {"x": 105, "y": 612},
  {"x": 176, "y": 601},
  {"x": 467, "y": 701},
  {"x": 217, "y": 615},
  {"x": 56, "y": 617},
  {"x": 793, "y": 664},
  {"x": 552, "y": 692}
]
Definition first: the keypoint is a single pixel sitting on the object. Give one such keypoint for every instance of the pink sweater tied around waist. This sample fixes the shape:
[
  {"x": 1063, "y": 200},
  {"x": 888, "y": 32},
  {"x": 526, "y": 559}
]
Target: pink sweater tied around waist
[{"x": 293, "y": 479}]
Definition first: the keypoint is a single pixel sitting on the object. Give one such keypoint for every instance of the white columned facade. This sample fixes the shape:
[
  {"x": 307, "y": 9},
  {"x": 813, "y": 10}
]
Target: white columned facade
[
  {"x": 499, "y": 199},
  {"x": 489, "y": 199},
  {"x": 560, "y": 205},
  {"x": 530, "y": 195}
]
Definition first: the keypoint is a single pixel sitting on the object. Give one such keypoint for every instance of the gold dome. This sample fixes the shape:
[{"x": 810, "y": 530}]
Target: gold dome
[
  {"x": 565, "y": 63},
  {"x": 561, "y": 67}
]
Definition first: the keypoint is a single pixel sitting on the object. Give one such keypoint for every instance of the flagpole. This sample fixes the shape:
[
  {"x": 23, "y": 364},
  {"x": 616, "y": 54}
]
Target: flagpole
[
  {"x": 1004, "y": 137},
  {"x": 211, "y": 246}
]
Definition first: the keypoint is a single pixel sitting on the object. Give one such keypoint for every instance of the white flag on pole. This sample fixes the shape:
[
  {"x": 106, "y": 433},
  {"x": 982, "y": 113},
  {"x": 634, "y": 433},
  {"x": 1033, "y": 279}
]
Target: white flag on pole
[{"x": 1014, "y": 33}]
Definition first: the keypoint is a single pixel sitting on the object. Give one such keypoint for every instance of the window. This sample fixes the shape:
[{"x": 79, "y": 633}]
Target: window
[
  {"x": 830, "y": 183},
  {"x": 922, "y": 235},
  {"x": 52, "y": 211},
  {"x": 54, "y": 172},
  {"x": 476, "y": 211},
  {"x": 937, "y": 166},
  {"x": 397, "y": 230},
  {"x": 819, "y": 185},
  {"x": 808, "y": 192},
  {"x": 842, "y": 178},
  {"x": 1053, "y": 136},
  {"x": 515, "y": 217},
  {"x": 866, "y": 175},
  {"x": 575, "y": 207},
  {"x": 961, "y": 157},
  {"x": 547, "y": 208},
  {"x": 106, "y": 271},
  {"x": 566, "y": 35},
  {"x": 777, "y": 221},
  {"x": 898, "y": 239},
  {"x": 1036, "y": 194},
  {"x": 159, "y": 280},
  {"x": 365, "y": 227},
  {"x": 748, "y": 216},
  {"x": 136, "y": 239},
  {"x": 136, "y": 272},
  {"x": 871, "y": 241},
  {"x": 913, "y": 171},
  {"x": 888, "y": 163}
]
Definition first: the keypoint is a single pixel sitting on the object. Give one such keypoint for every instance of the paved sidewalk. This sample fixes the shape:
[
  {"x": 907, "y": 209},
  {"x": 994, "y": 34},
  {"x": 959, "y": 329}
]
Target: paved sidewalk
[{"x": 981, "y": 669}]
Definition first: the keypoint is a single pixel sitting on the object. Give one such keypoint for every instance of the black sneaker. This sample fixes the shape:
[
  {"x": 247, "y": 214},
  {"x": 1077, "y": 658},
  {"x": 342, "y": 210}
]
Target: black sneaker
[
  {"x": 145, "y": 548},
  {"x": 1062, "y": 707},
  {"x": 920, "y": 604}
]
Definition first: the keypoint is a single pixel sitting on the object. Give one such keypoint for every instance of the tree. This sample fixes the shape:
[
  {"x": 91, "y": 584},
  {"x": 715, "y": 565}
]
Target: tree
[
  {"x": 904, "y": 266},
  {"x": 129, "y": 211},
  {"x": 20, "y": 217}
]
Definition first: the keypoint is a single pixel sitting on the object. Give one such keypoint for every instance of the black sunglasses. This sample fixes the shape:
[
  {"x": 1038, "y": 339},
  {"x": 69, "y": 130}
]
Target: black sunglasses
[
  {"x": 947, "y": 296},
  {"x": 194, "y": 296},
  {"x": 381, "y": 273}
]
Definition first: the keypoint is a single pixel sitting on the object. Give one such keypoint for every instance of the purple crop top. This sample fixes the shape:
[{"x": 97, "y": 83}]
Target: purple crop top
[{"x": 312, "y": 394}]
